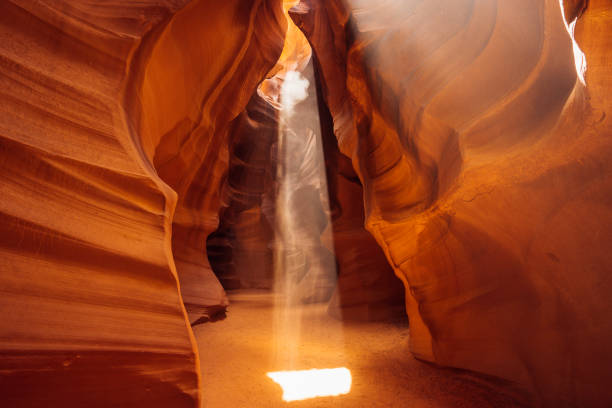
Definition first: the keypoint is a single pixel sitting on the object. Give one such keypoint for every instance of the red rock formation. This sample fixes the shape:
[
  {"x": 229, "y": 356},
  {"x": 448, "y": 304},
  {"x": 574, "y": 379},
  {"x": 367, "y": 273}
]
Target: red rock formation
[
  {"x": 482, "y": 163},
  {"x": 112, "y": 116},
  {"x": 241, "y": 250},
  {"x": 185, "y": 128},
  {"x": 485, "y": 177},
  {"x": 367, "y": 289}
]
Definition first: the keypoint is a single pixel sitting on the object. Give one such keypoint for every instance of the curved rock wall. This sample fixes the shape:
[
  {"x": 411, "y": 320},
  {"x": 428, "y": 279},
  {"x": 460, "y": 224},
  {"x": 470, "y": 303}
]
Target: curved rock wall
[
  {"x": 367, "y": 288},
  {"x": 485, "y": 180},
  {"x": 241, "y": 250},
  {"x": 112, "y": 116},
  {"x": 482, "y": 162},
  {"x": 185, "y": 128}
]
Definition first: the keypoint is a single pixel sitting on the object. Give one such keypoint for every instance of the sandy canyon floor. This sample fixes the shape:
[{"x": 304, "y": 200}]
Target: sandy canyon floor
[{"x": 237, "y": 352}]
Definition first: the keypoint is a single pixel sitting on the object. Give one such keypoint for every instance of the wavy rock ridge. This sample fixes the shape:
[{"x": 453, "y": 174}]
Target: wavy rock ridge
[
  {"x": 112, "y": 141},
  {"x": 456, "y": 132},
  {"x": 486, "y": 184}
]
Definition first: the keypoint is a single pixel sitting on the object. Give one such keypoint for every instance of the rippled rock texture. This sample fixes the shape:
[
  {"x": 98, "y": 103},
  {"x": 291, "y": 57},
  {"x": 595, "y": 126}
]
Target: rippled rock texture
[
  {"x": 113, "y": 125},
  {"x": 486, "y": 175},
  {"x": 457, "y": 132},
  {"x": 241, "y": 250},
  {"x": 367, "y": 288}
]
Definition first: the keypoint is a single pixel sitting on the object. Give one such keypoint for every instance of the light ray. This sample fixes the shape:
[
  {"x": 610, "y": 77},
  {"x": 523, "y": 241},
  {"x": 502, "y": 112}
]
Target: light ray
[{"x": 579, "y": 57}]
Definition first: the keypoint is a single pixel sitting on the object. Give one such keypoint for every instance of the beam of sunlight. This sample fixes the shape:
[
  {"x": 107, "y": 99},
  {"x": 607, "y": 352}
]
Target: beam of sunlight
[
  {"x": 304, "y": 264},
  {"x": 579, "y": 57},
  {"x": 305, "y": 384}
]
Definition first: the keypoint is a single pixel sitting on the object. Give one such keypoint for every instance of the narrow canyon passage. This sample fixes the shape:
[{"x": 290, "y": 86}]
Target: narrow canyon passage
[
  {"x": 237, "y": 352},
  {"x": 298, "y": 190},
  {"x": 408, "y": 203}
]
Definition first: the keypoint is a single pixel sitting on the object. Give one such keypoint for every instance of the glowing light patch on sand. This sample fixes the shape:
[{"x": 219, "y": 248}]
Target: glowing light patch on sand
[{"x": 304, "y": 384}]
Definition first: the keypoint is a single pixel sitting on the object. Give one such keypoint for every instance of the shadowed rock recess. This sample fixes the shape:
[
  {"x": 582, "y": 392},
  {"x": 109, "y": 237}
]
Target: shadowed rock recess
[{"x": 467, "y": 148}]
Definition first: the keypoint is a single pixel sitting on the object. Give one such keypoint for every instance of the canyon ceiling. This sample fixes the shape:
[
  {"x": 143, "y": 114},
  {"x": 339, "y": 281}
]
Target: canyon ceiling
[{"x": 467, "y": 154}]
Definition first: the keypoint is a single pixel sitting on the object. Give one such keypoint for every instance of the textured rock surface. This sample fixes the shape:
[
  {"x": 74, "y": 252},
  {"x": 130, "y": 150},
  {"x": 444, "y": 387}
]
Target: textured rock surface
[
  {"x": 482, "y": 164},
  {"x": 367, "y": 288},
  {"x": 107, "y": 116},
  {"x": 241, "y": 250},
  {"x": 185, "y": 127},
  {"x": 486, "y": 178}
]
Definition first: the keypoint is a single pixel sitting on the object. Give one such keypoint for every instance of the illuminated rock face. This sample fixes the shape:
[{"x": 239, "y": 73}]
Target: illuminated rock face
[
  {"x": 185, "y": 128},
  {"x": 486, "y": 173},
  {"x": 366, "y": 289},
  {"x": 113, "y": 124}
]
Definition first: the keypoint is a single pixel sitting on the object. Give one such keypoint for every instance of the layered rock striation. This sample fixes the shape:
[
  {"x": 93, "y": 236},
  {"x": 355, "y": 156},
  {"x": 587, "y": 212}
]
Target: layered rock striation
[
  {"x": 483, "y": 163},
  {"x": 113, "y": 129},
  {"x": 241, "y": 250},
  {"x": 471, "y": 138}
]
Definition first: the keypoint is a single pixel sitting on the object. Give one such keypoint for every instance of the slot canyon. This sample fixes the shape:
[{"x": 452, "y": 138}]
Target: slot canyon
[{"x": 305, "y": 203}]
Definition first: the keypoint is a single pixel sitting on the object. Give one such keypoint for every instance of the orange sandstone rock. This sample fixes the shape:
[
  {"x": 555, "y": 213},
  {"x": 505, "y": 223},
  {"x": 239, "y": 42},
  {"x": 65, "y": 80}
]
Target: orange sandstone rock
[
  {"x": 113, "y": 124},
  {"x": 484, "y": 163}
]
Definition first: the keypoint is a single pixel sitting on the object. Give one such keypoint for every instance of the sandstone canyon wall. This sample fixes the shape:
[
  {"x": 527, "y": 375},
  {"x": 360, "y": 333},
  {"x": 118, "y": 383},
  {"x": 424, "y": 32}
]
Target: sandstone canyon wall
[
  {"x": 241, "y": 250},
  {"x": 366, "y": 289},
  {"x": 486, "y": 175},
  {"x": 456, "y": 132},
  {"x": 113, "y": 127}
]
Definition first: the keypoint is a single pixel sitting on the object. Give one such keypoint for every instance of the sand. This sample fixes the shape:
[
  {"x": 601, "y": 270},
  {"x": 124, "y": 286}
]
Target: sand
[{"x": 237, "y": 352}]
